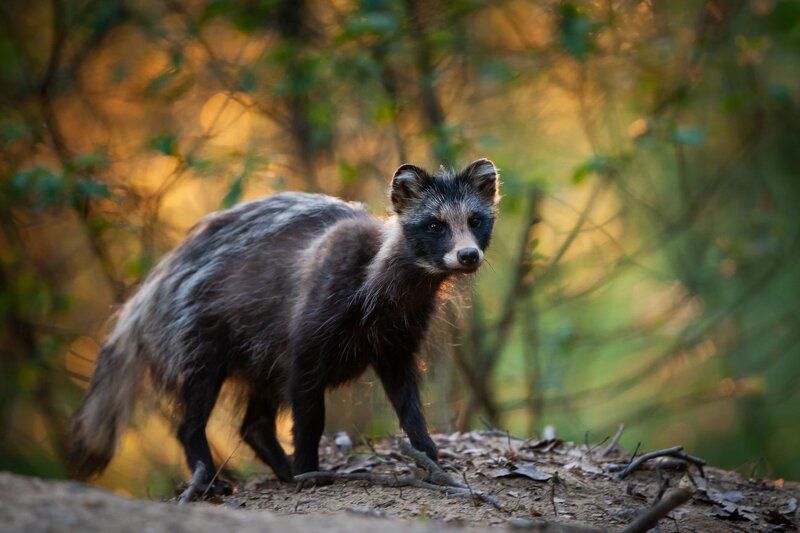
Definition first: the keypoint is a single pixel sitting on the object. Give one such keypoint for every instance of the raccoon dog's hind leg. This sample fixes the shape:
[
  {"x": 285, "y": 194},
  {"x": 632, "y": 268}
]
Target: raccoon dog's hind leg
[
  {"x": 258, "y": 430},
  {"x": 198, "y": 394}
]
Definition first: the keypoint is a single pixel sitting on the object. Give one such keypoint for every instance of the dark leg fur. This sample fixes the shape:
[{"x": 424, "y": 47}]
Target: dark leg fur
[
  {"x": 308, "y": 411},
  {"x": 307, "y": 395},
  {"x": 258, "y": 430},
  {"x": 200, "y": 393},
  {"x": 399, "y": 378}
]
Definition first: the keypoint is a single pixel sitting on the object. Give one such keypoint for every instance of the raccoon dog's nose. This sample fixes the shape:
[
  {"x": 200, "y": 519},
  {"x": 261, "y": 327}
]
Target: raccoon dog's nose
[{"x": 468, "y": 256}]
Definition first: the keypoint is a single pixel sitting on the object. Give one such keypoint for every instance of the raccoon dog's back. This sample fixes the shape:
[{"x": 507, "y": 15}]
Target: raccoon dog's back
[{"x": 238, "y": 274}]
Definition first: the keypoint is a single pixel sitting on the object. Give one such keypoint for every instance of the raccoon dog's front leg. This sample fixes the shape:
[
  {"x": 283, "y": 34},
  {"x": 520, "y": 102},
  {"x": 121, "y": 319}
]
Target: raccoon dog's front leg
[
  {"x": 308, "y": 412},
  {"x": 399, "y": 377}
]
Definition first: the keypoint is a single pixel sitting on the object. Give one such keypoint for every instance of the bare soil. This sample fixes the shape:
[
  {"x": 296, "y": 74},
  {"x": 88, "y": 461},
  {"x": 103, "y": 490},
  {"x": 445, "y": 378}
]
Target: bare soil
[{"x": 572, "y": 484}]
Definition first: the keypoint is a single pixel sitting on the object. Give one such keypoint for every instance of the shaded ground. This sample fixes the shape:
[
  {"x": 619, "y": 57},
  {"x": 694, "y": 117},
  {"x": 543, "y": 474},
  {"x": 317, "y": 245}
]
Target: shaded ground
[
  {"x": 538, "y": 485},
  {"x": 33, "y": 505}
]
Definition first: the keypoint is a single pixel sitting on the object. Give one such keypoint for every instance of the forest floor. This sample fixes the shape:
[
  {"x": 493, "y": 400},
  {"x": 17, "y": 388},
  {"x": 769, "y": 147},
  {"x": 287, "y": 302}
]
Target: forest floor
[{"x": 489, "y": 479}]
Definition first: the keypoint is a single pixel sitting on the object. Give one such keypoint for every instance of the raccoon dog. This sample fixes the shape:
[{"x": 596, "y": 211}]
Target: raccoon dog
[{"x": 290, "y": 295}]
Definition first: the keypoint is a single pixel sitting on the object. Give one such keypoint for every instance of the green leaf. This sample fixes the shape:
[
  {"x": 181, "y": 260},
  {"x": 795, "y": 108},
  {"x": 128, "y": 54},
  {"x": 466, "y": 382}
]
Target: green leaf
[
  {"x": 21, "y": 180},
  {"x": 598, "y": 164},
  {"x": 89, "y": 160},
  {"x": 235, "y": 192},
  {"x": 216, "y": 8},
  {"x": 248, "y": 82},
  {"x": 50, "y": 190},
  {"x": 199, "y": 164},
  {"x": 165, "y": 143},
  {"x": 12, "y": 130},
  {"x": 158, "y": 83},
  {"x": 691, "y": 136},
  {"x": 88, "y": 188},
  {"x": 576, "y": 30},
  {"x": 378, "y": 23},
  {"x": 139, "y": 266},
  {"x": 348, "y": 172}
]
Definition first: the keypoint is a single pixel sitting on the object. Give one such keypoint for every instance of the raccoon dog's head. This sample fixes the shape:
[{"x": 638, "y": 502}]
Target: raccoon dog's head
[{"x": 447, "y": 218}]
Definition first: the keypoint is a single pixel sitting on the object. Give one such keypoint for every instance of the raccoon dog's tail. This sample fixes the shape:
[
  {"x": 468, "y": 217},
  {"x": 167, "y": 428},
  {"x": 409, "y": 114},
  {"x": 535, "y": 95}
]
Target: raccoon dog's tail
[{"x": 95, "y": 427}]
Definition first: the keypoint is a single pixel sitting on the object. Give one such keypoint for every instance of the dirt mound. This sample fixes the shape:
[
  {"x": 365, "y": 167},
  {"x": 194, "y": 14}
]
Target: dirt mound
[{"x": 534, "y": 482}]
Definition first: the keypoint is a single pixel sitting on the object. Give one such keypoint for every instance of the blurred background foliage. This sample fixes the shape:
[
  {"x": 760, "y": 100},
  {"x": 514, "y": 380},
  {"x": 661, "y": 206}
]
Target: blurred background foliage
[{"x": 645, "y": 266}]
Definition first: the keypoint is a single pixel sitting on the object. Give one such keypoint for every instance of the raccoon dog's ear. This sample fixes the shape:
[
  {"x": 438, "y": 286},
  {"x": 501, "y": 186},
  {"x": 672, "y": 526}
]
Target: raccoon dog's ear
[
  {"x": 408, "y": 183},
  {"x": 482, "y": 174}
]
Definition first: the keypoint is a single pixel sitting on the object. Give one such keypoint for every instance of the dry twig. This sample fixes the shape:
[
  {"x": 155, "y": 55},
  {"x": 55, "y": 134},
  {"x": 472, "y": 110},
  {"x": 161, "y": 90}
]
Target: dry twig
[
  {"x": 437, "y": 475},
  {"x": 648, "y": 519},
  {"x": 675, "y": 451},
  {"x": 614, "y": 442}
]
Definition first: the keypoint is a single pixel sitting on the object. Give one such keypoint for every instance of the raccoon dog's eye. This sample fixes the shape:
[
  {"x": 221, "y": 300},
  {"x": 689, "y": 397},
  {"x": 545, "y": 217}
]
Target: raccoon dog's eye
[
  {"x": 474, "y": 222},
  {"x": 436, "y": 226}
]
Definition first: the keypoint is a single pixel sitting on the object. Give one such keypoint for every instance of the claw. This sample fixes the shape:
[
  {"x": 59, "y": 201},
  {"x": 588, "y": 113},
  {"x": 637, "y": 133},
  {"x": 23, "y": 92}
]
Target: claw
[
  {"x": 198, "y": 477},
  {"x": 199, "y": 487}
]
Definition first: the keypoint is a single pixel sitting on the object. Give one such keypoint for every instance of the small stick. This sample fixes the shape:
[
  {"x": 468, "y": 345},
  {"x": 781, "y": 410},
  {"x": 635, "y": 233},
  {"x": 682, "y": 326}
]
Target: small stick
[
  {"x": 636, "y": 451},
  {"x": 635, "y": 463},
  {"x": 368, "y": 443},
  {"x": 553, "y": 493},
  {"x": 591, "y": 449},
  {"x": 666, "y": 463},
  {"x": 216, "y": 474},
  {"x": 675, "y": 451},
  {"x": 614, "y": 442},
  {"x": 474, "y": 499},
  {"x": 197, "y": 478},
  {"x": 649, "y": 519},
  {"x": 399, "y": 487},
  {"x": 438, "y": 476},
  {"x": 663, "y": 483}
]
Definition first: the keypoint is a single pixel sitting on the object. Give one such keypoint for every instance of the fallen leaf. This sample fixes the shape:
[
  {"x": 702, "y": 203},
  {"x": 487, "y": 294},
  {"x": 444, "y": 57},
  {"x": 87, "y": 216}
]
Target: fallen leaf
[
  {"x": 731, "y": 495},
  {"x": 677, "y": 514},
  {"x": 528, "y": 471},
  {"x": 730, "y": 511},
  {"x": 790, "y": 507},
  {"x": 584, "y": 466},
  {"x": 544, "y": 445},
  {"x": 358, "y": 463},
  {"x": 473, "y": 451}
]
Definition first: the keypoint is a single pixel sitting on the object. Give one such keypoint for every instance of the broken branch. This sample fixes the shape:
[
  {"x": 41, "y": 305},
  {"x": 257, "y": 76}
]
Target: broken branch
[
  {"x": 437, "y": 475},
  {"x": 648, "y": 519},
  {"x": 675, "y": 451}
]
